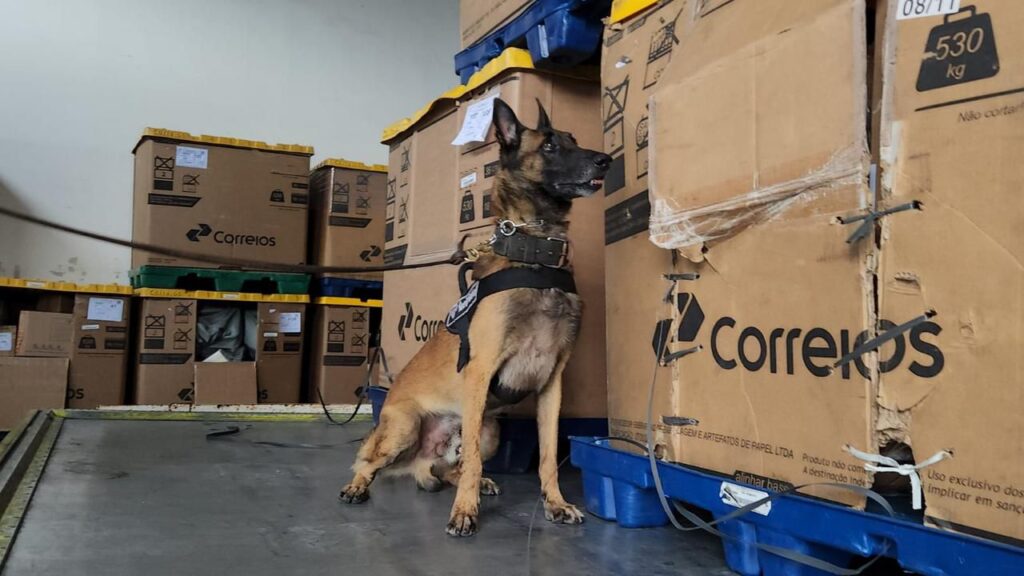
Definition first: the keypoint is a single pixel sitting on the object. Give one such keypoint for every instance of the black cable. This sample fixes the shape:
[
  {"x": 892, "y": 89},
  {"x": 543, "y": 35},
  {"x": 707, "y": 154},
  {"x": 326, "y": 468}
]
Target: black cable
[{"x": 363, "y": 391}]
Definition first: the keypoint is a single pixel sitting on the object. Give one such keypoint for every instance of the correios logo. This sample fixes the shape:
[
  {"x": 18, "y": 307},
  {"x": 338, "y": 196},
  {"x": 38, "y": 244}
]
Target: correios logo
[
  {"x": 235, "y": 239},
  {"x": 785, "y": 350},
  {"x": 421, "y": 328}
]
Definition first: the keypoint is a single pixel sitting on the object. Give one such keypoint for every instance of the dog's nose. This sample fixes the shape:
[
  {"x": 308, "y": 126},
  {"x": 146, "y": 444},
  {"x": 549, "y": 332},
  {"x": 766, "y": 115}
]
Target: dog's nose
[{"x": 603, "y": 161}]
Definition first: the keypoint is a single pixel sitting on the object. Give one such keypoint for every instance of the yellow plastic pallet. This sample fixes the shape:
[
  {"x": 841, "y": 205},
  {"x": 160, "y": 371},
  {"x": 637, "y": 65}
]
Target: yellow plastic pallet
[
  {"x": 351, "y": 165},
  {"x": 339, "y": 301},
  {"x": 622, "y": 9},
  {"x": 212, "y": 295},
  {"x": 58, "y": 286},
  {"x": 224, "y": 141}
]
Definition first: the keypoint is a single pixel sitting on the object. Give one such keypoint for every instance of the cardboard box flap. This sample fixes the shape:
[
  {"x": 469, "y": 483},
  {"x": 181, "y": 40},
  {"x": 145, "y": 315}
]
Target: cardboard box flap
[
  {"x": 164, "y": 134},
  {"x": 766, "y": 101}
]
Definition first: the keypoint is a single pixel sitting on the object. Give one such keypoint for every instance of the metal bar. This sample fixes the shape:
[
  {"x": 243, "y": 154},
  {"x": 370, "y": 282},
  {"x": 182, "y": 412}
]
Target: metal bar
[
  {"x": 25, "y": 470},
  {"x": 195, "y": 416}
]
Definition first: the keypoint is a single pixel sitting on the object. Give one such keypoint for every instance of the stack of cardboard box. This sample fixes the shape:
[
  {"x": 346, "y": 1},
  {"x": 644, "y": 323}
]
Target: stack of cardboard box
[
  {"x": 70, "y": 349},
  {"x": 439, "y": 193},
  {"x": 765, "y": 124},
  {"x": 220, "y": 197},
  {"x": 347, "y": 220}
]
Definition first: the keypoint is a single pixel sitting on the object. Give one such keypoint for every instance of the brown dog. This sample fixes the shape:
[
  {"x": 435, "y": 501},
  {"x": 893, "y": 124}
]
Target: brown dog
[{"x": 518, "y": 342}]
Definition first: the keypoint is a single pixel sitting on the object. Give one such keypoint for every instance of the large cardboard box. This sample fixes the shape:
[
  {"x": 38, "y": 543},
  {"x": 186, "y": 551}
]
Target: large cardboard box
[
  {"x": 341, "y": 348},
  {"x": 99, "y": 357},
  {"x": 279, "y": 349},
  {"x": 43, "y": 334},
  {"x": 438, "y": 216},
  {"x": 220, "y": 197},
  {"x": 8, "y": 335},
  {"x": 636, "y": 48},
  {"x": 478, "y": 18},
  {"x": 421, "y": 188},
  {"x": 164, "y": 370},
  {"x": 225, "y": 383},
  {"x": 30, "y": 384},
  {"x": 757, "y": 143},
  {"x": 347, "y": 209},
  {"x": 952, "y": 141}
]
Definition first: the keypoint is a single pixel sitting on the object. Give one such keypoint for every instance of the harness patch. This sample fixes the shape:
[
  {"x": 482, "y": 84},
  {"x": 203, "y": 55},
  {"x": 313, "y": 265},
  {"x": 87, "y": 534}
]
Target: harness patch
[{"x": 463, "y": 306}]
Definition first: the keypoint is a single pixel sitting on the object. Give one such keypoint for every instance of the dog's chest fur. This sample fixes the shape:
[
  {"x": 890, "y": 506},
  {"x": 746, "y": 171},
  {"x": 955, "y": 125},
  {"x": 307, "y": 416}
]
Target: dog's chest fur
[{"x": 542, "y": 327}]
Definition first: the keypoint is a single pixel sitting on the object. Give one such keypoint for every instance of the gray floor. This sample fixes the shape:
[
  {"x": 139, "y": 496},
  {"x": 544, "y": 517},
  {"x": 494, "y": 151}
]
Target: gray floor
[{"x": 159, "y": 498}]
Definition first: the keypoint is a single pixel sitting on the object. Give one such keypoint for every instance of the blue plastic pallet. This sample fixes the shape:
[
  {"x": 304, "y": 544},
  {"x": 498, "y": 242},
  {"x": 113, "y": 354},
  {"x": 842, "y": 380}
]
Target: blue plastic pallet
[
  {"x": 618, "y": 486},
  {"x": 351, "y": 288},
  {"x": 556, "y": 32},
  {"x": 518, "y": 442}
]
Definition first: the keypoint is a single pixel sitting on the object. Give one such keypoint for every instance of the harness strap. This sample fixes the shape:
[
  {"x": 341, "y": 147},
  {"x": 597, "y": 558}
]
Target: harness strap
[
  {"x": 460, "y": 316},
  {"x": 551, "y": 252}
]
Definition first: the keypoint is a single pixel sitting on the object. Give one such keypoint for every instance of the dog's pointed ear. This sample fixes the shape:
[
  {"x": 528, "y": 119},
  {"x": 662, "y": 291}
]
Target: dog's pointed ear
[
  {"x": 543, "y": 122},
  {"x": 506, "y": 126}
]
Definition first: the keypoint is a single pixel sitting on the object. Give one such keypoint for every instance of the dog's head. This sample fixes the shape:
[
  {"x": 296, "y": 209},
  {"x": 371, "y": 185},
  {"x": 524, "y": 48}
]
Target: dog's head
[{"x": 547, "y": 158}]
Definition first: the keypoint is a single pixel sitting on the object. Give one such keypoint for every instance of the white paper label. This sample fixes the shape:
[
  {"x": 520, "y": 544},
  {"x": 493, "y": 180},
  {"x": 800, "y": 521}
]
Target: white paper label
[
  {"x": 908, "y": 9},
  {"x": 477, "y": 122},
  {"x": 468, "y": 180},
  {"x": 88, "y": 327},
  {"x": 105, "y": 309},
  {"x": 6, "y": 342},
  {"x": 32, "y": 284},
  {"x": 270, "y": 334},
  {"x": 739, "y": 496},
  {"x": 290, "y": 322},
  {"x": 188, "y": 157}
]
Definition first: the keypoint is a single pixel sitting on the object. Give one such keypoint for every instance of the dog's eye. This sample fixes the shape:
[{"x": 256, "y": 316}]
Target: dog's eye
[{"x": 549, "y": 146}]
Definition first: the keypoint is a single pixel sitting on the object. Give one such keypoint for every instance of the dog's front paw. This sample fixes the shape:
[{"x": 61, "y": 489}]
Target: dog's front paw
[
  {"x": 562, "y": 513},
  {"x": 489, "y": 487},
  {"x": 461, "y": 523},
  {"x": 353, "y": 494}
]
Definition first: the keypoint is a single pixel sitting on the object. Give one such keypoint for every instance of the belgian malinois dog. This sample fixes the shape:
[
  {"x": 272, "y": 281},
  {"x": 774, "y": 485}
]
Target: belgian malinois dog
[{"x": 437, "y": 422}]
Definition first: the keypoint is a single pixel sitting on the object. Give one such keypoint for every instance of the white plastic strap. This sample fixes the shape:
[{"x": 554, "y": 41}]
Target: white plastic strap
[{"x": 879, "y": 463}]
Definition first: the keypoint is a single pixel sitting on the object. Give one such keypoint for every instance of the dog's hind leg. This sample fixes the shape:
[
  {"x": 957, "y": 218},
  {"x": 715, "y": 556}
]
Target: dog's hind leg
[
  {"x": 398, "y": 432},
  {"x": 549, "y": 402},
  {"x": 489, "y": 438}
]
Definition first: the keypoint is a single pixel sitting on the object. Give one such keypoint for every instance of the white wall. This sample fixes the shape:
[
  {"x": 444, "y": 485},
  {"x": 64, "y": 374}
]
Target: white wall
[{"x": 80, "y": 79}]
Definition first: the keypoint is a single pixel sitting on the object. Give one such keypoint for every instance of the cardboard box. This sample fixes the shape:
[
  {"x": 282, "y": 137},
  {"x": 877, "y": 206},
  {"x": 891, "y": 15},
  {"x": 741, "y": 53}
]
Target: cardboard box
[
  {"x": 225, "y": 382},
  {"x": 282, "y": 329},
  {"x": 43, "y": 335},
  {"x": 635, "y": 51},
  {"x": 220, "y": 197},
  {"x": 952, "y": 142},
  {"x": 478, "y": 18},
  {"x": 347, "y": 209},
  {"x": 164, "y": 371},
  {"x": 99, "y": 358},
  {"x": 28, "y": 384},
  {"x": 341, "y": 348},
  {"x": 421, "y": 188},
  {"x": 8, "y": 336},
  {"x": 757, "y": 144}
]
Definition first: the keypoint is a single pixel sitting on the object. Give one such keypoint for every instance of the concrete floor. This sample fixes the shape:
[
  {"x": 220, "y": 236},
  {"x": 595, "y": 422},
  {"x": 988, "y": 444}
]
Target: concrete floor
[{"x": 159, "y": 498}]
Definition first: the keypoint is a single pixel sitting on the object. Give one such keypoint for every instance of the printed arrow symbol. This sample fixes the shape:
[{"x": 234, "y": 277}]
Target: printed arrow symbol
[
  {"x": 370, "y": 253},
  {"x": 196, "y": 233}
]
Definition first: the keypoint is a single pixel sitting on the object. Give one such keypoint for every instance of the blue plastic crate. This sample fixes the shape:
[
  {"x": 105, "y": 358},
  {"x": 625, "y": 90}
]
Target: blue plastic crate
[
  {"x": 618, "y": 486},
  {"x": 351, "y": 288},
  {"x": 556, "y": 32},
  {"x": 518, "y": 443}
]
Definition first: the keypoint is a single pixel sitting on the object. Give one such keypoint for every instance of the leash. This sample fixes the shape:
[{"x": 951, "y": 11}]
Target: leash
[{"x": 224, "y": 261}]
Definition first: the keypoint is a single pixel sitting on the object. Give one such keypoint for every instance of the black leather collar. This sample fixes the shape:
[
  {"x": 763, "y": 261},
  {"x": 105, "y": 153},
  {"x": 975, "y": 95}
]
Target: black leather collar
[{"x": 519, "y": 247}]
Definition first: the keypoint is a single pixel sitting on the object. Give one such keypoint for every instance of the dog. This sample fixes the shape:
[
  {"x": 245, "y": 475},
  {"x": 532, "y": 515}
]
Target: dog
[{"x": 437, "y": 423}]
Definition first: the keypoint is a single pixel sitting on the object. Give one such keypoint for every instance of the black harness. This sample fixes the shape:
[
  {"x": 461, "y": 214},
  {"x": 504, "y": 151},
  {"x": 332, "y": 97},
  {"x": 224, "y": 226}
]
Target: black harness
[{"x": 549, "y": 253}]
